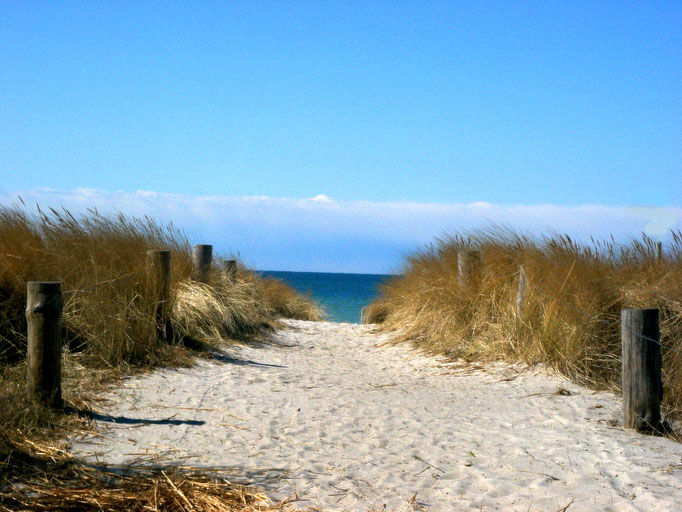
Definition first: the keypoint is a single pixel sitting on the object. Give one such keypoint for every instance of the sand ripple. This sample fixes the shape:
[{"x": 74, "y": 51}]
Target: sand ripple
[{"x": 349, "y": 425}]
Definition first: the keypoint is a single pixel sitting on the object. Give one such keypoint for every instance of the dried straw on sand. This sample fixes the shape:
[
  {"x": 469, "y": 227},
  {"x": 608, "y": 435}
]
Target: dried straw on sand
[{"x": 49, "y": 479}]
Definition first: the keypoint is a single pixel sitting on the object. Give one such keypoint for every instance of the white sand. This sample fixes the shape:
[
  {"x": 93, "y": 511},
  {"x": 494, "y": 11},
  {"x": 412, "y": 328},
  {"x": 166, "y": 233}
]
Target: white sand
[{"x": 352, "y": 426}]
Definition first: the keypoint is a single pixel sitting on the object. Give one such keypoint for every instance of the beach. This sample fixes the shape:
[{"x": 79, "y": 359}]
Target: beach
[{"x": 332, "y": 414}]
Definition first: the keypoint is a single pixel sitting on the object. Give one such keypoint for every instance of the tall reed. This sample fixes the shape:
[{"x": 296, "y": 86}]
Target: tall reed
[{"x": 571, "y": 314}]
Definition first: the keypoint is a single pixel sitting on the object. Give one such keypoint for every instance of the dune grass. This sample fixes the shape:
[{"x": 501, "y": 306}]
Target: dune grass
[
  {"x": 571, "y": 313},
  {"x": 284, "y": 301},
  {"x": 109, "y": 319}
]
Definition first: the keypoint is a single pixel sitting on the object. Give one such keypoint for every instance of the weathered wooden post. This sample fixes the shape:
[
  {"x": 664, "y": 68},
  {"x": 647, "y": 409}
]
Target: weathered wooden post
[
  {"x": 202, "y": 255},
  {"x": 521, "y": 294},
  {"x": 160, "y": 261},
  {"x": 44, "y": 320},
  {"x": 642, "y": 384},
  {"x": 468, "y": 267},
  {"x": 230, "y": 269},
  {"x": 659, "y": 252}
]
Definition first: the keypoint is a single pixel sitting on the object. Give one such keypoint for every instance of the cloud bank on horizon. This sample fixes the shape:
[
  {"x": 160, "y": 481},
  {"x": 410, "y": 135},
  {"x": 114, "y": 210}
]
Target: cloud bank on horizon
[{"x": 322, "y": 234}]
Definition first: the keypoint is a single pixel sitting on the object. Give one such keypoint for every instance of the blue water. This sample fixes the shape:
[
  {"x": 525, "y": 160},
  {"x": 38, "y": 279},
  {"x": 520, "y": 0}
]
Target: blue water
[{"x": 341, "y": 295}]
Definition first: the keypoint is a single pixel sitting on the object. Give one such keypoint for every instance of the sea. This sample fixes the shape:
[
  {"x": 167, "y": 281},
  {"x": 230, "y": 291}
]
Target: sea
[{"x": 341, "y": 295}]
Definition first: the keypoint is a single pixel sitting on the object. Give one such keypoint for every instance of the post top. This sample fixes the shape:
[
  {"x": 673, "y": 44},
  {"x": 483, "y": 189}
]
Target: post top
[{"x": 44, "y": 285}]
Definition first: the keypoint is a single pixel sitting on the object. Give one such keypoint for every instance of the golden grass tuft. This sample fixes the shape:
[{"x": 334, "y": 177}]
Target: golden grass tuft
[
  {"x": 220, "y": 310},
  {"x": 376, "y": 312},
  {"x": 571, "y": 316},
  {"x": 283, "y": 301}
]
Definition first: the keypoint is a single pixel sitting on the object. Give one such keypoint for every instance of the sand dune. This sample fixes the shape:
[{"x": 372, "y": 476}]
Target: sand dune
[{"x": 348, "y": 425}]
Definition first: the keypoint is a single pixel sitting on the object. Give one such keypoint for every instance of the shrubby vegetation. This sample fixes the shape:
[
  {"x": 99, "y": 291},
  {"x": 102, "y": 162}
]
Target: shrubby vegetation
[{"x": 571, "y": 313}]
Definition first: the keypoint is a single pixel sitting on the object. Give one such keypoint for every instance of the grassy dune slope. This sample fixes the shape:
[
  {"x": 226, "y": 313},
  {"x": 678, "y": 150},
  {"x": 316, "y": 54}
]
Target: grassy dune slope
[
  {"x": 109, "y": 321},
  {"x": 571, "y": 317}
]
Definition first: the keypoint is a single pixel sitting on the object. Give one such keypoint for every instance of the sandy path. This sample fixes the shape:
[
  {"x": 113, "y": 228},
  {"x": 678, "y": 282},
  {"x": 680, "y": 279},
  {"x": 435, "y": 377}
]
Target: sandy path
[{"x": 352, "y": 426}]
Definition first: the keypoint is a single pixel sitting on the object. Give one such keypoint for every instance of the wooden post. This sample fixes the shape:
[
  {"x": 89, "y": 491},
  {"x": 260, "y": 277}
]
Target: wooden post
[
  {"x": 44, "y": 320},
  {"x": 659, "y": 252},
  {"x": 230, "y": 269},
  {"x": 201, "y": 259},
  {"x": 642, "y": 385},
  {"x": 521, "y": 294},
  {"x": 468, "y": 267},
  {"x": 160, "y": 281}
]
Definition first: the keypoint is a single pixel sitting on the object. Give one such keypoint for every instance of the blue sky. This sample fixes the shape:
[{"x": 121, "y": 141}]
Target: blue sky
[{"x": 523, "y": 106}]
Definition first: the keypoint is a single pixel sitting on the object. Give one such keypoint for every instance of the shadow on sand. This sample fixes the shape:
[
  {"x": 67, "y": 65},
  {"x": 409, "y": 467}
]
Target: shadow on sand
[{"x": 124, "y": 420}]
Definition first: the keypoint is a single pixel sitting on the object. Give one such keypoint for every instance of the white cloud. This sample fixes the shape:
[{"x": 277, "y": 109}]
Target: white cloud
[
  {"x": 320, "y": 233},
  {"x": 322, "y": 198},
  {"x": 659, "y": 220}
]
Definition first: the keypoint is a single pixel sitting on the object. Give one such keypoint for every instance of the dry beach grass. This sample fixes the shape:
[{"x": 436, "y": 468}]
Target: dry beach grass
[
  {"x": 109, "y": 330},
  {"x": 571, "y": 313}
]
